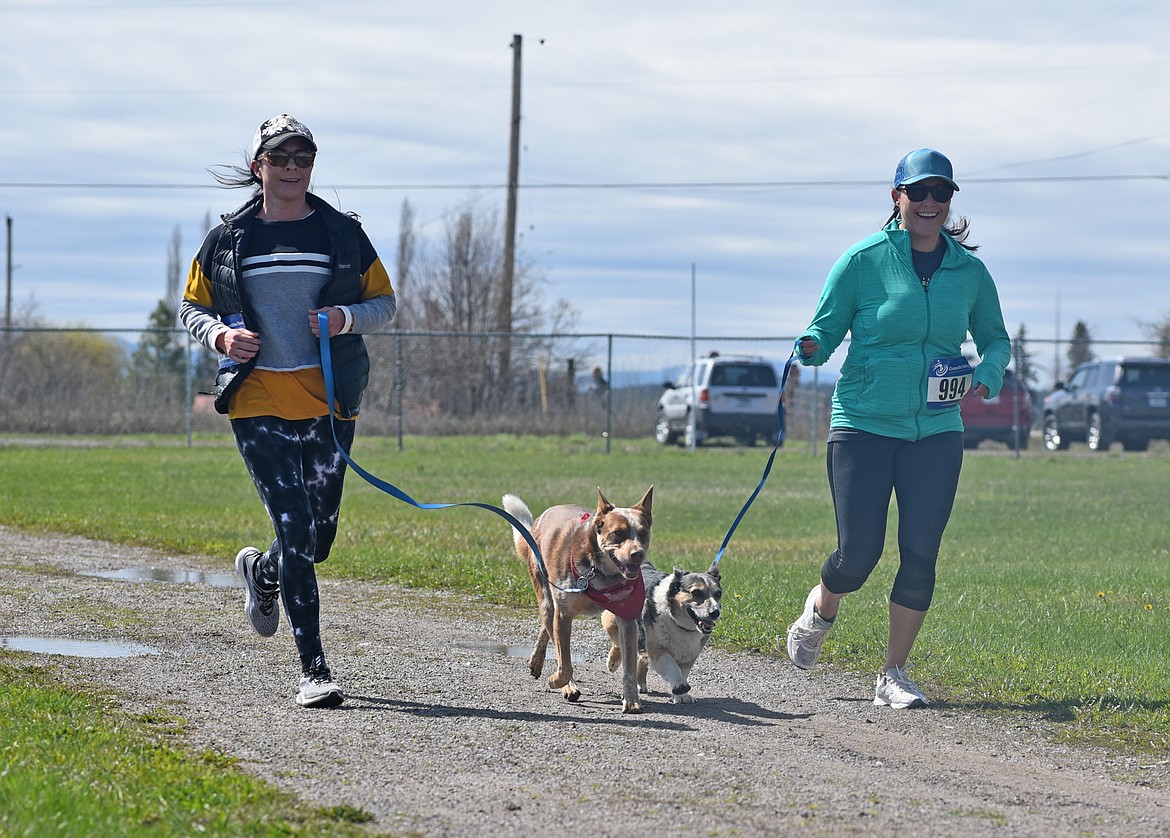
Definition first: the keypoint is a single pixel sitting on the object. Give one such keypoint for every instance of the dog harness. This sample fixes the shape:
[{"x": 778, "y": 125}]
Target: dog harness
[{"x": 624, "y": 599}]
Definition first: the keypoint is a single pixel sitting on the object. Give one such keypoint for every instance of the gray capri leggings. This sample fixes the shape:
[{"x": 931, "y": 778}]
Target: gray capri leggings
[{"x": 864, "y": 470}]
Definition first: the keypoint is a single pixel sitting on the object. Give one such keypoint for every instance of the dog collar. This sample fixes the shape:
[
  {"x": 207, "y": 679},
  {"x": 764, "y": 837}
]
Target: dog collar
[{"x": 624, "y": 599}]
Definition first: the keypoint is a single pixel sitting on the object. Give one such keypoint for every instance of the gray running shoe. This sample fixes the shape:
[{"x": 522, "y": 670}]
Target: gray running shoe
[
  {"x": 807, "y": 635},
  {"x": 895, "y": 689},
  {"x": 260, "y": 607},
  {"x": 318, "y": 688}
]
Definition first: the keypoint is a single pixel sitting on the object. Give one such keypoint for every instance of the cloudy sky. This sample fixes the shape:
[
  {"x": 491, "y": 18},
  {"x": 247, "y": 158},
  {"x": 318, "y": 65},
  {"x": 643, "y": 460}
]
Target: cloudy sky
[{"x": 754, "y": 140}]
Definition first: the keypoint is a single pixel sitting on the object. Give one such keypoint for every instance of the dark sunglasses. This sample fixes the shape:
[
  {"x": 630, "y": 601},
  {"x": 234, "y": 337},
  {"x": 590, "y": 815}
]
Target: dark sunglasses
[
  {"x": 941, "y": 192},
  {"x": 278, "y": 158}
]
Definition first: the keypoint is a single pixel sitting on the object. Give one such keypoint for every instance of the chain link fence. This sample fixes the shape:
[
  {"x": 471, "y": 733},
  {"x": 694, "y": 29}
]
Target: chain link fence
[{"x": 603, "y": 386}]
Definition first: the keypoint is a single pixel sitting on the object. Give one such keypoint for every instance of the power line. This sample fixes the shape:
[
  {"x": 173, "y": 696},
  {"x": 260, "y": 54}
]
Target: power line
[{"x": 713, "y": 184}]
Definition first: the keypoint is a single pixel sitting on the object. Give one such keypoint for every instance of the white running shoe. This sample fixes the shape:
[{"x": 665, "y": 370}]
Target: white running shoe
[
  {"x": 318, "y": 688},
  {"x": 807, "y": 635},
  {"x": 895, "y": 689},
  {"x": 260, "y": 606}
]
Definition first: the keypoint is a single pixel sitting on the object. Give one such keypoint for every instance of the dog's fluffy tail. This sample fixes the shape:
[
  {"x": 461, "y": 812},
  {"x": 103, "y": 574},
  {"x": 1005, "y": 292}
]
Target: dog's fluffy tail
[{"x": 518, "y": 509}]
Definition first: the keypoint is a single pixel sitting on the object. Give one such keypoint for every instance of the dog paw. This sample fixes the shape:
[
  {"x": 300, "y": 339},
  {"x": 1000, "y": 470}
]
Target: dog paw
[
  {"x": 615, "y": 659},
  {"x": 559, "y": 679},
  {"x": 685, "y": 698},
  {"x": 571, "y": 693},
  {"x": 631, "y": 707}
]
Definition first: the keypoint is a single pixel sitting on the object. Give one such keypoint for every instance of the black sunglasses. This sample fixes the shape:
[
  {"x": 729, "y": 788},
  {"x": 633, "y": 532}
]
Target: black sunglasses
[
  {"x": 941, "y": 192},
  {"x": 279, "y": 158}
]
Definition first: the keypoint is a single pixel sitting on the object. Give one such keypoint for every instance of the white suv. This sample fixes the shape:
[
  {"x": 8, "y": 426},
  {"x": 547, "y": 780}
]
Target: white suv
[{"x": 737, "y": 396}]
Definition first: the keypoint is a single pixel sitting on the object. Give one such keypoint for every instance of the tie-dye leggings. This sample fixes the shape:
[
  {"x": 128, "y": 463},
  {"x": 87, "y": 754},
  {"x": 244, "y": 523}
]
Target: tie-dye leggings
[{"x": 298, "y": 473}]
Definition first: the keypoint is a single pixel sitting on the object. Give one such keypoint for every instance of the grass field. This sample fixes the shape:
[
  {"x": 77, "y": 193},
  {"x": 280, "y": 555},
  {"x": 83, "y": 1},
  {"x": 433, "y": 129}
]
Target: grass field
[{"x": 1053, "y": 590}]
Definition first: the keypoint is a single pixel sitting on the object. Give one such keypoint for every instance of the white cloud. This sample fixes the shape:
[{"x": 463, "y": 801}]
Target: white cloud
[{"x": 419, "y": 93}]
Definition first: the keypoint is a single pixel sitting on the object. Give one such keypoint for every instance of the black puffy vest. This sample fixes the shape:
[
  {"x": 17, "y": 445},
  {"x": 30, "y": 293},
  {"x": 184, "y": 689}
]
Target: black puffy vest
[{"x": 351, "y": 363}]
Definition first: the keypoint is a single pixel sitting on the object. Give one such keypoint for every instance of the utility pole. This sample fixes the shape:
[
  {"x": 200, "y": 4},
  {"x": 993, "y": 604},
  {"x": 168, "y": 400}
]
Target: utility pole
[
  {"x": 8, "y": 296},
  {"x": 1056, "y": 344},
  {"x": 504, "y": 316}
]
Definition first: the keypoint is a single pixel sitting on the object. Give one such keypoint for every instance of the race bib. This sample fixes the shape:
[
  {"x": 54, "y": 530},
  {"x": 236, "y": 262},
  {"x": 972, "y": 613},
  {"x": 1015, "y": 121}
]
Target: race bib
[{"x": 948, "y": 381}]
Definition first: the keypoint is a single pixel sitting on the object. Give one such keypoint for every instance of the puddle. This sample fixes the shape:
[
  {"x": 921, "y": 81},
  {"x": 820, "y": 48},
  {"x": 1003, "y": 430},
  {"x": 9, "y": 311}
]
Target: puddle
[
  {"x": 75, "y": 648},
  {"x": 165, "y": 574},
  {"x": 522, "y": 652}
]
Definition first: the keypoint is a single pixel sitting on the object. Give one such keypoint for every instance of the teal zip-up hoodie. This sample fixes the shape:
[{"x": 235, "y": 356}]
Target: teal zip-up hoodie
[{"x": 898, "y": 327}]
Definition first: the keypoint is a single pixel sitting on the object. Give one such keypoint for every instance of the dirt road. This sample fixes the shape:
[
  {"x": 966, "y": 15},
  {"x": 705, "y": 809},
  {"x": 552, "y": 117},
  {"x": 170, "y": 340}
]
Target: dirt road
[{"x": 446, "y": 734}]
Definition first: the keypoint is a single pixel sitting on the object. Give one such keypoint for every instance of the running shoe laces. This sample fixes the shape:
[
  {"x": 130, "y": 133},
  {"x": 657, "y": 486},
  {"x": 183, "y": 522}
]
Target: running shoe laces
[
  {"x": 895, "y": 689},
  {"x": 317, "y": 687},
  {"x": 807, "y": 635},
  {"x": 260, "y": 605}
]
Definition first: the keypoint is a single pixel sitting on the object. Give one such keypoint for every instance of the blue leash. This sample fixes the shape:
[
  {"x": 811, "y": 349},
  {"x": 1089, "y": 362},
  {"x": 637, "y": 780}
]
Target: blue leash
[
  {"x": 582, "y": 584},
  {"x": 394, "y": 491},
  {"x": 795, "y": 356}
]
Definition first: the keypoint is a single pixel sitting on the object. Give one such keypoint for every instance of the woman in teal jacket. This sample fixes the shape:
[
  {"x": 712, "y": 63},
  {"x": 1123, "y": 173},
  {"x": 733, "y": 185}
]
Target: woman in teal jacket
[{"x": 907, "y": 296}]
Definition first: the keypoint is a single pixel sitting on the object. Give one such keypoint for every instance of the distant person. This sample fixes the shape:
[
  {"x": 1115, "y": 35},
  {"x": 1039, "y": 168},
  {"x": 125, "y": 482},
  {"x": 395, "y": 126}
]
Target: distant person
[
  {"x": 907, "y": 296},
  {"x": 597, "y": 382},
  {"x": 252, "y": 295}
]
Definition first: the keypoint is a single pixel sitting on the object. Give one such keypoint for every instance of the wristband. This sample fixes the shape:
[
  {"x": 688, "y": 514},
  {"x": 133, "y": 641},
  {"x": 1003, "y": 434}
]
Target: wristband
[{"x": 347, "y": 327}]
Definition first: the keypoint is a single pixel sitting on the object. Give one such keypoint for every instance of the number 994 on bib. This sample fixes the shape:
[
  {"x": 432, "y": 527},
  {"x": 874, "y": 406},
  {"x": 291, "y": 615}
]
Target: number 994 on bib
[{"x": 947, "y": 382}]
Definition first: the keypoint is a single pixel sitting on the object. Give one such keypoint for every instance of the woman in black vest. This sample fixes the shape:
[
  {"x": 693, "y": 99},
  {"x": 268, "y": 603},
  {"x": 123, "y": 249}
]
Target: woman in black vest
[{"x": 253, "y": 295}]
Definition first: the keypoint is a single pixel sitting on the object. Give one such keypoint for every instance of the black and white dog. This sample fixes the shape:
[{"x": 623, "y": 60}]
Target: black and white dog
[{"x": 677, "y": 621}]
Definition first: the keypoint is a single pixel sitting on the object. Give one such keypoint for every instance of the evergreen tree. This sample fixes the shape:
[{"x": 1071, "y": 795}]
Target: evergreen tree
[
  {"x": 159, "y": 361},
  {"x": 1080, "y": 348},
  {"x": 1023, "y": 360},
  {"x": 158, "y": 367}
]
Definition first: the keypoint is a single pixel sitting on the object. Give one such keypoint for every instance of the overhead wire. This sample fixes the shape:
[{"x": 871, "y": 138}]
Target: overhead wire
[{"x": 605, "y": 185}]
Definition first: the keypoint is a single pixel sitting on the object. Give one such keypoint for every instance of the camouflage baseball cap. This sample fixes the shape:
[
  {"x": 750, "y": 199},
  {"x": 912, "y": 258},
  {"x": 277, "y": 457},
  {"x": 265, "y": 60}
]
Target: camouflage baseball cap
[{"x": 272, "y": 132}]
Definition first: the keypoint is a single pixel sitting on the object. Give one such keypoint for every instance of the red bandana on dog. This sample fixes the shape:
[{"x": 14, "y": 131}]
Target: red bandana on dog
[{"x": 624, "y": 599}]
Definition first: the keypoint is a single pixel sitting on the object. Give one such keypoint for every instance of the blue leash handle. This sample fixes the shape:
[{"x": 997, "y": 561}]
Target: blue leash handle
[
  {"x": 795, "y": 356},
  {"x": 394, "y": 491}
]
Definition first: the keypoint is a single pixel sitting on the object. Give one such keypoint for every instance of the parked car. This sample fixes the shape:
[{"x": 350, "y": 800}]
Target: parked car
[
  {"x": 1122, "y": 399},
  {"x": 735, "y": 395},
  {"x": 1007, "y": 418}
]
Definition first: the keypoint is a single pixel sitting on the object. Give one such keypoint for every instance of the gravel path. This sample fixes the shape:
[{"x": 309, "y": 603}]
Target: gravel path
[{"x": 445, "y": 733}]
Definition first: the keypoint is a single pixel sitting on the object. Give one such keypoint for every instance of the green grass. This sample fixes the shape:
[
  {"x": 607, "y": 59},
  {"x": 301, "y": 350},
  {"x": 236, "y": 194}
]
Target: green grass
[
  {"x": 72, "y": 765},
  {"x": 1052, "y": 593}
]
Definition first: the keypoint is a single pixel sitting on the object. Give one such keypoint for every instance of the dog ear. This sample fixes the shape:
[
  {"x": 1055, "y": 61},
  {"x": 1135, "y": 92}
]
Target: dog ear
[
  {"x": 713, "y": 571},
  {"x": 604, "y": 507},
  {"x": 646, "y": 503}
]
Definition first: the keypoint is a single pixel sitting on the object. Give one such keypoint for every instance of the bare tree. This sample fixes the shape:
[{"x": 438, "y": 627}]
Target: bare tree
[
  {"x": 64, "y": 382},
  {"x": 174, "y": 273},
  {"x": 455, "y": 289},
  {"x": 1159, "y": 332},
  {"x": 406, "y": 248}
]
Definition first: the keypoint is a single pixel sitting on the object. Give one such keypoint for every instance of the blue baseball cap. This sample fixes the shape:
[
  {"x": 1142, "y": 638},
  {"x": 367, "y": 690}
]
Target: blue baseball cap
[{"x": 922, "y": 164}]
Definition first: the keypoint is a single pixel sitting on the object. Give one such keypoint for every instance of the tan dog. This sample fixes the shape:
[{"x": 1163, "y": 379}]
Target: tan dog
[
  {"x": 677, "y": 621},
  {"x": 594, "y": 560}
]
